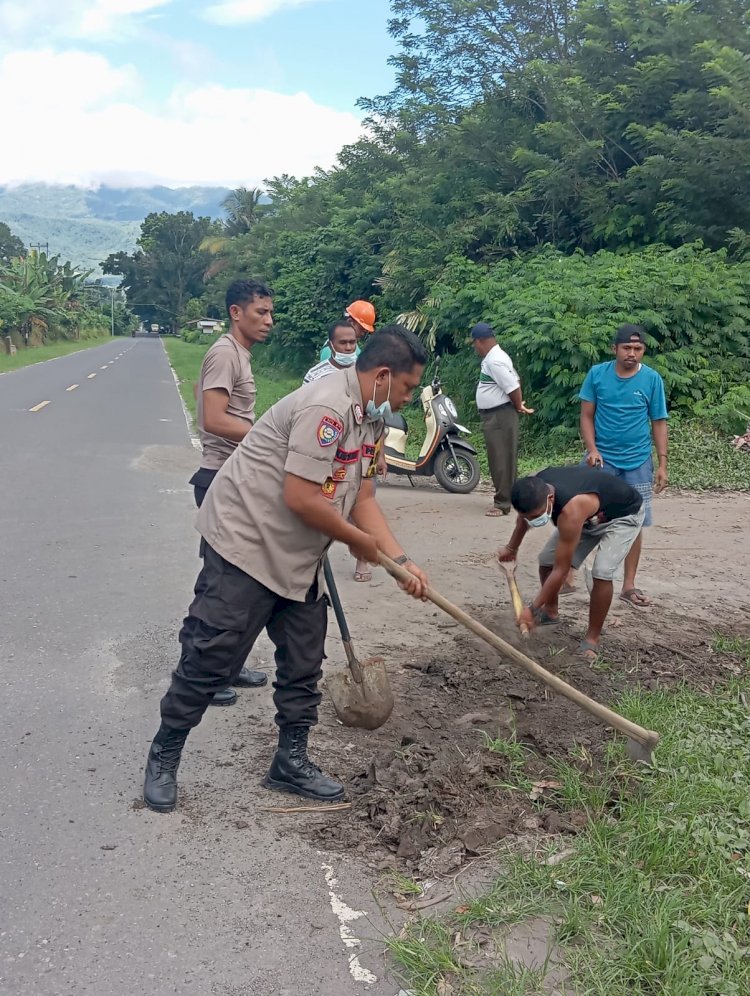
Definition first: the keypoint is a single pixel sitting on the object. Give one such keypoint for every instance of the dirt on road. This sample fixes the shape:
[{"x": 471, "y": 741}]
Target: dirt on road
[{"x": 427, "y": 795}]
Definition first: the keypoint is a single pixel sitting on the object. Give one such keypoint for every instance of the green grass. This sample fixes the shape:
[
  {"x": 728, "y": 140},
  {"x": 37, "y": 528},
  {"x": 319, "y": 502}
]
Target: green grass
[
  {"x": 272, "y": 382},
  {"x": 654, "y": 898},
  {"x": 25, "y": 357}
]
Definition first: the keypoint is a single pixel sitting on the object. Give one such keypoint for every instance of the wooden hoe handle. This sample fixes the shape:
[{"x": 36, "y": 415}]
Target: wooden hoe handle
[{"x": 649, "y": 738}]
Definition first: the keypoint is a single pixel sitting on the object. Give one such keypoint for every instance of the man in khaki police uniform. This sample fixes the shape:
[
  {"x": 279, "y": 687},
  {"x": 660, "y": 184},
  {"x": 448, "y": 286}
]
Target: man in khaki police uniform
[
  {"x": 225, "y": 397},
  {"x": 300, "y": 479}
]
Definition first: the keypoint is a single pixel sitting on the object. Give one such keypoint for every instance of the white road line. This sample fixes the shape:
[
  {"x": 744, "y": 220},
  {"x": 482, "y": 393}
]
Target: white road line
[
  {"x": 72, "y": 387},
  {"x": 188, "y": 421},
  {"x": 38, "y": 408},
  {"x": 104, "y": 367},
  {"x": 345, "y": 915},
  {"x": 91, "y": 376}
]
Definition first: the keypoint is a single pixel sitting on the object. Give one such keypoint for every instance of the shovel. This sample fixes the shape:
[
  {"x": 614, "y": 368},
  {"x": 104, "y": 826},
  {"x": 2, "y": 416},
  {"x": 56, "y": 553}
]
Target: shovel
[
  {"x": 640, "y": 741},
  {"x": 362, "y": 697}
]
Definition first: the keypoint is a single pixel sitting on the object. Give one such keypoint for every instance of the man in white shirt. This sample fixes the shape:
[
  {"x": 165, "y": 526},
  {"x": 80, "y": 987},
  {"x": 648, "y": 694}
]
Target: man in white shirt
[
  {"x": 500, "y": 402},
  {"x": 342, "y": 342}
]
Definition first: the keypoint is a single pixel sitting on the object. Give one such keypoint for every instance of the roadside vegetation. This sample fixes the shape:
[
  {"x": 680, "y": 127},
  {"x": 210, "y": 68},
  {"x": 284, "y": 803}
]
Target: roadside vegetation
[
  {"x": 652, "y": 896},
  {"x": 49, "y": 307},
  {"x": 701, "y": 459}
]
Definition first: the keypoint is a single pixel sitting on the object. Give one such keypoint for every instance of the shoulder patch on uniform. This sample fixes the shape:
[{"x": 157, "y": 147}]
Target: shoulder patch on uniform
[
  {"x": 329, "y": 430},
  {"x": 358, "y": 415},
  {"x": 328, "y": 488},
  {"x": 346, "y": 456},
  {"x": 368, "y": 451}
]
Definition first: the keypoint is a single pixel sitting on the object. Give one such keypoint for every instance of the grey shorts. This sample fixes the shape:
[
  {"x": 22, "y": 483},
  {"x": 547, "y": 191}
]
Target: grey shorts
[{"x": 613, "y": 539}]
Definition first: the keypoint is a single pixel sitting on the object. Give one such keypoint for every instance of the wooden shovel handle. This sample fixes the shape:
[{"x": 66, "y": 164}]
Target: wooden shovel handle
[
  {"x": 649, "y": 738},
  {"x": 510, "y": 574}
]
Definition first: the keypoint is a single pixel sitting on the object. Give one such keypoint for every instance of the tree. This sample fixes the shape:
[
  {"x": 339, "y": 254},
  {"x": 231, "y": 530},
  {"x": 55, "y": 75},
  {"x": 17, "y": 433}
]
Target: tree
[
  {"x": 38, "y": 293},
  {"x": 167, "y": 269},
  {"x": 243, "y": 209},
  {"x": 10, "y": 244}
]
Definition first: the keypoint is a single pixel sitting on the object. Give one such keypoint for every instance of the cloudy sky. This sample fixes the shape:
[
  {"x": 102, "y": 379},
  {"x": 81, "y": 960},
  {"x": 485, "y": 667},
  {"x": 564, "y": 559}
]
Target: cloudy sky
[{"x": 222, "y": 92}]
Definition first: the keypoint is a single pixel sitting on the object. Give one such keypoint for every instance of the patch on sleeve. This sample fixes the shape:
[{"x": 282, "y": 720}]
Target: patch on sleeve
[
  {"x": 329, "y": 430},
  {"x": 346, "y": 456},
  {"x": 339, "y": 474},
  {"x": 368, "y": 451},
  {"x": 328, "y": 488}
]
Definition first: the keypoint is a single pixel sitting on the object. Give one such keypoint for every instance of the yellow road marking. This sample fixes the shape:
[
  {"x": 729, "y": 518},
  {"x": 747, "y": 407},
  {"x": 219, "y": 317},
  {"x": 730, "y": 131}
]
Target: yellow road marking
[
  {"x": 38, "y": 408},
  {"x": 72, "y": 387},
  {"x": 91, "y": 376}
]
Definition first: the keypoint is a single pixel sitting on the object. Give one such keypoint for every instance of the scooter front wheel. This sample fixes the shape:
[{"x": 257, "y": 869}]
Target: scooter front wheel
[{"x": 457, "y": 473}]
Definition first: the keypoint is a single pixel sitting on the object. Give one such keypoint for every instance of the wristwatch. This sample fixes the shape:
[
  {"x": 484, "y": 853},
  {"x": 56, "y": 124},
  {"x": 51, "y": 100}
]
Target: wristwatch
[{"x": 403, "y": 559}]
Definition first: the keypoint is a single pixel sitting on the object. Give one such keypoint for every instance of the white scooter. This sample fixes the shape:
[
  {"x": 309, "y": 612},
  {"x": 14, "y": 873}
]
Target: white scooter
[{"x": 444, "y": 453}]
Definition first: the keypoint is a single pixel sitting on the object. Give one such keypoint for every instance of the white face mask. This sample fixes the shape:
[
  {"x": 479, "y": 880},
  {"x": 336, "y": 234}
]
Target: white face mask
[
  {"x": 543, "y": 519},
  {"x": 375, "y": 412},
  {"x": 343, "y": 359}
]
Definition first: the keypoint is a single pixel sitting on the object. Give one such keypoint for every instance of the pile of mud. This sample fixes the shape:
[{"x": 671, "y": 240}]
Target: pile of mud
[{"x": 427, "y": 791}]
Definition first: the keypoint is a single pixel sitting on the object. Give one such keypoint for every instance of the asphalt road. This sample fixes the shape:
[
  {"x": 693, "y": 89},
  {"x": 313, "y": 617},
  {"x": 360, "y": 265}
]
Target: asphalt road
[{"x": 97, "y": 559}]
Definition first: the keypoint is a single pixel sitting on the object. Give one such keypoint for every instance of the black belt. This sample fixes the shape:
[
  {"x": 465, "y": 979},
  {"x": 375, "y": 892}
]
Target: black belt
[{"x": 497, "y": 408}]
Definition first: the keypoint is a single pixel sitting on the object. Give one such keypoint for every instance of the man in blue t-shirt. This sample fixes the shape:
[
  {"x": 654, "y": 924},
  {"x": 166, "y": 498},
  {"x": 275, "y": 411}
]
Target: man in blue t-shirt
[{"x": 622, "y": 401}]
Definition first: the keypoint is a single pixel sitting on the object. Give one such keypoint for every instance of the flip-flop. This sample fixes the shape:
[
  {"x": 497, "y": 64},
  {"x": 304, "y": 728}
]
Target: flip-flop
[
  {"x": 495, "y": 513},
  {"x": 631, "y": 596},
  {"x": 547, "y": 620},
  {"x": 586, "y": 647},
  {"x": 363, "y": 576}
]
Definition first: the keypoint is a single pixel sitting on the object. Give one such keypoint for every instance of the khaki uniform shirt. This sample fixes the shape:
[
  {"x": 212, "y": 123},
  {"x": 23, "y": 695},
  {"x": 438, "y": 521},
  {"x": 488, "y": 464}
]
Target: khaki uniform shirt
[
  {"x": 319, "y": 433},
  {"x": 227, "y": 366}
]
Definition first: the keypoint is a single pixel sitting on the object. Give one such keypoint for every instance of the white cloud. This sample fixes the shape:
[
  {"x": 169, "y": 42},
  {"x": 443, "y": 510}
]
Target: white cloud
[
  {"x": 22, "y": 20},
  {"x": 244, "y": 11},
  {"x": 72, "y": 117}
]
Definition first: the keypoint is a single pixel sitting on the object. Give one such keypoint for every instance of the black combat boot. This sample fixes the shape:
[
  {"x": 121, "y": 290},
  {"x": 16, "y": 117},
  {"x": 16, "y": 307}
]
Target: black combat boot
[
  {"x": 292, "y": 770},
  {"x": 226, "y": 697},
  {"x": 251, "y": 679},
  {"x": 160, "y": 786}
]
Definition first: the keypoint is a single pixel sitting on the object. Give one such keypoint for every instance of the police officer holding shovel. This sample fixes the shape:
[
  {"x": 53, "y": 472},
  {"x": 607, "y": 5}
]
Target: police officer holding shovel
[{"x": 301, "y": 479}]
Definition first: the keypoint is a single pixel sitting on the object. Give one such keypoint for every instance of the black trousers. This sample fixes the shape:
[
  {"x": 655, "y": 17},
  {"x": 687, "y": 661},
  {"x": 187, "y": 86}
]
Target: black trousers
[{"x": 229, "y": 611}]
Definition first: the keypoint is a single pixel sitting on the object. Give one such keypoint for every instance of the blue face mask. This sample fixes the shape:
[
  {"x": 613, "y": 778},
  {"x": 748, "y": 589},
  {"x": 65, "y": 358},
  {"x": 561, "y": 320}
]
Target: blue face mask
[
  {"x": 541, "y": 520},
  {"x": 375, "y": 412},
  {"x": 343, "y": 359}
]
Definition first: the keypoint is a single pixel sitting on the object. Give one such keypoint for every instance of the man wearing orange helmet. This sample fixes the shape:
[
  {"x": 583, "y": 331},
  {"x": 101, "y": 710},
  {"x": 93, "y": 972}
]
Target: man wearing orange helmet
[{"x": 361, "y": 317}]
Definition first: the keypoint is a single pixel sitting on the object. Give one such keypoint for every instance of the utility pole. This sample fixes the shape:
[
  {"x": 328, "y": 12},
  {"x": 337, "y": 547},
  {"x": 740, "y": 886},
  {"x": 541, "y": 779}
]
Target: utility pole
[{"x": 113, "y": 310}]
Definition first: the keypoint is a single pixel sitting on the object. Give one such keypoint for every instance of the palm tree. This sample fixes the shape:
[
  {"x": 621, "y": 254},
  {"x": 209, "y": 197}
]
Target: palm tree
[{"x": 243, "y": 209}]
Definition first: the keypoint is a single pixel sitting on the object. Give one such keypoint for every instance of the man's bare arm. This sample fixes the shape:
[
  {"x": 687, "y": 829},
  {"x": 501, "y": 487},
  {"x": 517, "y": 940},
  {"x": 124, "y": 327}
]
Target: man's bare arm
[
  {"x": 661, "y": 440},
  {"x": 593, "y": 456},
  {"x": 217, "y": 420}
]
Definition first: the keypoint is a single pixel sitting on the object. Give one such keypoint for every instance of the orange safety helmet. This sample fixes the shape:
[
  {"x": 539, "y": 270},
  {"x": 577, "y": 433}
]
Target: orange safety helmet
[{"x": 363, "y": 314}]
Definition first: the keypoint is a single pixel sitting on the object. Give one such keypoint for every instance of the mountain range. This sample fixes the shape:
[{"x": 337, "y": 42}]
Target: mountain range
[{"x": 86, "y": 225}]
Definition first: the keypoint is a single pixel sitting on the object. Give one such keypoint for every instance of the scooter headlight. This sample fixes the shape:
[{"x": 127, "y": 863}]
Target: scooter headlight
[{"x": 451, "y": 408}]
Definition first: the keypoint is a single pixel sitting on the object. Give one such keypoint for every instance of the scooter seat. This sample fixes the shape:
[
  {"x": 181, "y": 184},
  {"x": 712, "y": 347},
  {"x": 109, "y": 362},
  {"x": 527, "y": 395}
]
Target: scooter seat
[{"x": 396, "y": 421}]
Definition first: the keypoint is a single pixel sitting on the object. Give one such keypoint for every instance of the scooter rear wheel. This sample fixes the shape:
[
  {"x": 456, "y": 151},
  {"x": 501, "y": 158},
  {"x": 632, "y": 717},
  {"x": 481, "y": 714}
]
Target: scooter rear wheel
[{"x": 459, "y": 474}]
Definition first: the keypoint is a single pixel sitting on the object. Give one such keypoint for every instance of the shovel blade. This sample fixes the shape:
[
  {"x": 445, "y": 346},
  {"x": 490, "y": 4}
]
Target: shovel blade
[{"x": 366, "y": 704}]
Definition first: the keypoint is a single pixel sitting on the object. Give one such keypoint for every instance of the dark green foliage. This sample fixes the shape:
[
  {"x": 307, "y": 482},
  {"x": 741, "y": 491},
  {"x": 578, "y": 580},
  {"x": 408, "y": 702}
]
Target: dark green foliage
[{"x": 556, "y": 315}]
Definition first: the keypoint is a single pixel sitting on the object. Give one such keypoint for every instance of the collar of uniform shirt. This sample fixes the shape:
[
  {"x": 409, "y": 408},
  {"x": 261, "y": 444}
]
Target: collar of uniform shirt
[{"x": 355, "y": 391}]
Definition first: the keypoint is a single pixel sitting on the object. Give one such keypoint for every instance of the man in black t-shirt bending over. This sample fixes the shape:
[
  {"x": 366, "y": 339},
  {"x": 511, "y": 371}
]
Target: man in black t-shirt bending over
[{"x": 591, "y": 509}]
